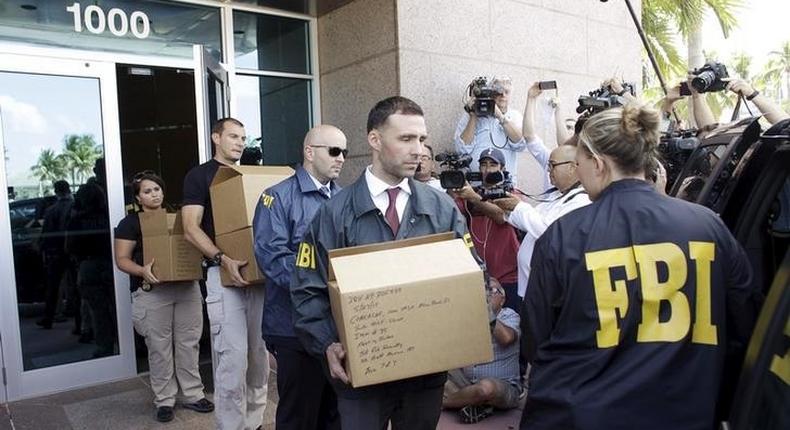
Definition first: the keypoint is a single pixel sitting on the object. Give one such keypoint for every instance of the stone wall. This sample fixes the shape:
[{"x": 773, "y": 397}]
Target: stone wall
[{"x": 430, "y": 50}]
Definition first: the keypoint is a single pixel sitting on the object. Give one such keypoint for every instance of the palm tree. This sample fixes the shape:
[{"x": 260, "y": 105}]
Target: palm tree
[
  {"x": 778, "y": 70},
  {"x": 48, "y": 168},
  {"x": 741, "y": 63},
  {"x": 80, "y": 153},
  {"x": 662, "y": 19}
]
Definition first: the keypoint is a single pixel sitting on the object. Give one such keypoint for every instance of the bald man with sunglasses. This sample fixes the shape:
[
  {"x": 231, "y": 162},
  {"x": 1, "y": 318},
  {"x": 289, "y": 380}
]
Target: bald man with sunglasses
[{"x": 307, "y": 400}]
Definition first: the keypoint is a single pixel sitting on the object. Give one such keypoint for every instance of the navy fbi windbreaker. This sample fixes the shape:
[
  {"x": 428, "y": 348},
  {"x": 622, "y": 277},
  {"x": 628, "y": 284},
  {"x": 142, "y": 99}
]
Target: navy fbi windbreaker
[
  {"x": 283, "y": 214},
  {"x": 631, "y": 305},
  {"x": 352, "y": 219}
]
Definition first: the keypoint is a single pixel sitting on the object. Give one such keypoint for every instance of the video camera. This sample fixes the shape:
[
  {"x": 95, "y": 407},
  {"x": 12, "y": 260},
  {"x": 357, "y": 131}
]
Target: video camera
[
  {"x": 603, "y": 98},
  {"x": 499, "y": 184},
  {"x": 457, "y": 173},
  {"x": 675, "y": 147},
  {"x": 708, "y": 78},
  {"x": 484, "y": 94}
]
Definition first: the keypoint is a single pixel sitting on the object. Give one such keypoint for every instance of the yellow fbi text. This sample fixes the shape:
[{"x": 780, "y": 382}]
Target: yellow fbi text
[
  {"x": 267, "y": 200},
  {"x": 642, "y": 262},
  {"x": 305, "y": 258}
]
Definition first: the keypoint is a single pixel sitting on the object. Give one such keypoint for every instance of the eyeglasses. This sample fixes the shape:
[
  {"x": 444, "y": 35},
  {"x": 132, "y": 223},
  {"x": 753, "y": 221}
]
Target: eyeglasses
[
  {"x": 140, "y": 175},
  {"x": 495, "y": 291},
  {"x": 333, "y": 151},
  {"x": 552, "y": 165}
]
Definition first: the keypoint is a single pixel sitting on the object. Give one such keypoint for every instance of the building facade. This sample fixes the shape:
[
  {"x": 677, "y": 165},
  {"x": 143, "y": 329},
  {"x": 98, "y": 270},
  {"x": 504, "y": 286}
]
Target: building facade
[{"x": 92, "y": 92}]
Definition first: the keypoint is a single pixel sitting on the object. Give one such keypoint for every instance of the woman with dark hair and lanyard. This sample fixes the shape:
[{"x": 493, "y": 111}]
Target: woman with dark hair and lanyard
[
  {"x": 169, "y": 316},
  {"x": 634, "y": 301}
]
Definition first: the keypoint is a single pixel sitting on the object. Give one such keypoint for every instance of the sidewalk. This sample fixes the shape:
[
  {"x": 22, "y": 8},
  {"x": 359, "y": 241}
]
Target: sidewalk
[{"x": 128, "y": 405}]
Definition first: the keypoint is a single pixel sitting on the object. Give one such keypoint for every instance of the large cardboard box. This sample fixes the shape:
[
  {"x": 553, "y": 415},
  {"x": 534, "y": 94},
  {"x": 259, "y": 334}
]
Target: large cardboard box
[
  {"x": 409, "y": 308},
  {"x": 175, "y": 259},
  {"x": 238, "y": 245},
  {"x": 235, "y": 191}
]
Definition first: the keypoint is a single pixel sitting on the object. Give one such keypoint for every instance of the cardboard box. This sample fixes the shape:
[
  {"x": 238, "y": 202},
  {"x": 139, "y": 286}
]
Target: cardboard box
[
  {"x": 238, "y": 245},
  {"x": 175, "y": 259},
  {"x": 409, "y": 308},
  {"x": 235, "y": 191}
]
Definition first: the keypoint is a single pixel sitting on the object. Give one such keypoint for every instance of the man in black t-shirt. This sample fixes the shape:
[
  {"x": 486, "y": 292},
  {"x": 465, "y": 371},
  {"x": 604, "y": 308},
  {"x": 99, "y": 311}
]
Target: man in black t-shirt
[{"x": 241, "y": 367}]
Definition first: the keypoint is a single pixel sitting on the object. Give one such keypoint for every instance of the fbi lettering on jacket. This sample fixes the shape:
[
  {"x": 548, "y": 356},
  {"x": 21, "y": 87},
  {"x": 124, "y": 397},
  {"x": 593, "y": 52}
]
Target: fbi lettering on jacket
[{"x": 661, "y": 272}]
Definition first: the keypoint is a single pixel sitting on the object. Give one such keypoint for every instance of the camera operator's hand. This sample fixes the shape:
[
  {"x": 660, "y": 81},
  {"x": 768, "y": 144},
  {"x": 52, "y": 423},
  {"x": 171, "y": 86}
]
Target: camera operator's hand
[
  {"x": 672, "y": 97},
  {"x": 466, "y": 193},
  {"x": 534, "y": 91},
  {"x": 507, "y": 203},
  {"x": 499, "y": 115},
  {"x": 739, "y": 86},
  {"x": 469, "y": 107}
]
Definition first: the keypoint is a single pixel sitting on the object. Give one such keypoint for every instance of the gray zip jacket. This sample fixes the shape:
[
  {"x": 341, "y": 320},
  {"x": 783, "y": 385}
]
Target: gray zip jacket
[{"x": 352, "y": 219}]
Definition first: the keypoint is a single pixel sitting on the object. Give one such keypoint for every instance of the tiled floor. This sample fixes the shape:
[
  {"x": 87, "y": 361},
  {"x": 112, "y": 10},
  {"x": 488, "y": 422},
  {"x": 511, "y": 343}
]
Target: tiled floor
[{"x": 128, "y": 405}]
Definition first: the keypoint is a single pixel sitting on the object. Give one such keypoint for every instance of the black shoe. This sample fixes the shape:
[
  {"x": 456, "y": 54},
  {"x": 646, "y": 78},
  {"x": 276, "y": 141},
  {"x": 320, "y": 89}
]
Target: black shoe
[
  {"x": 164, "y": 414},
  {"x": 44, "y": 323},
  {"x": 203, "y": 406}
]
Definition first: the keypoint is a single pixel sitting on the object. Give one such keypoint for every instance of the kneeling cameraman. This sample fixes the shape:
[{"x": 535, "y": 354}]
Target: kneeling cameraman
[
  {"x": 483, "y": 387},
  {"x": 495, "y": 240}
]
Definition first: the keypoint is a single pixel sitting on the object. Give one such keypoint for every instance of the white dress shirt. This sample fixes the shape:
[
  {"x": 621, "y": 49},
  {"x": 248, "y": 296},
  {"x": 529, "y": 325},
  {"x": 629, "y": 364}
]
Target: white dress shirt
[
  {"x": 378, "y": 192},
  {"x": 319, "y": 185},
  {"x": 535, "y": 220}
]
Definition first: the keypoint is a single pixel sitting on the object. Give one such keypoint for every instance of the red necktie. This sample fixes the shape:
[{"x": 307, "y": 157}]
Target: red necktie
[{"x": 392, "y": 214}]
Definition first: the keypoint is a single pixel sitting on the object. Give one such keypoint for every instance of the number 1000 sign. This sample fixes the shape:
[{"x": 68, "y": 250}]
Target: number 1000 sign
[{"x": 116, "y": 20}]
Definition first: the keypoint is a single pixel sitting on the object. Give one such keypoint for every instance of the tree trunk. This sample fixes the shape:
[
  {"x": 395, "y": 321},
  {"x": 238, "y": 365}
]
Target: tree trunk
[{"x": 696, "y": 59}]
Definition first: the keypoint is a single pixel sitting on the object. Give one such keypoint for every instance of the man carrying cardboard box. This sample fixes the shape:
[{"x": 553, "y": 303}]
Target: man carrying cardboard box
[
  {"x": 284, "y": 212},
  {"x": 241, "y": 367},
  {"x": 384, "y": 204}
]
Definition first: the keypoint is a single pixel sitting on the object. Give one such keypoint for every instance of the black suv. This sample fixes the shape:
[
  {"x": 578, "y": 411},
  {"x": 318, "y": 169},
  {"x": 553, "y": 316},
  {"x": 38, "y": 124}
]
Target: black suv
[{"x": 743, "y": 174}]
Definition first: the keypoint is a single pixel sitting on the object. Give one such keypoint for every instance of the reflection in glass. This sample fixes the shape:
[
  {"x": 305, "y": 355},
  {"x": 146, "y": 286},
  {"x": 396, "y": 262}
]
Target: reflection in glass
[
  {"x": 274, "y": 43},
  {"x": 59, "y": 219},
  {"x": 276, "y": 110}
]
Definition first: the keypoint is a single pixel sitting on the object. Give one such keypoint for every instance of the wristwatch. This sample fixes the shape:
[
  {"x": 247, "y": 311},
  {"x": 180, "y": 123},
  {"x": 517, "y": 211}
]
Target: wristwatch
[
  {"x": 217, "y": 258},
  {"x": 752, "y": 95}
]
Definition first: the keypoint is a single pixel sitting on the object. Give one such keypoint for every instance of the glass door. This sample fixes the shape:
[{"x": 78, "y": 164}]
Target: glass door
[
  {"x": 212, "y": 96},
  {"x": 65, "y": 308}
]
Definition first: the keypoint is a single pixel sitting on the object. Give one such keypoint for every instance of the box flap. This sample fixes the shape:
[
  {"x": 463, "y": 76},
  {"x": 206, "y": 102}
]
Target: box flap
[
  {"x": 153, "y": 223},
  {"x": 384, "y": 268},
  {"x": 381, "y": 246},
  {"x": 226, "y": 172}
]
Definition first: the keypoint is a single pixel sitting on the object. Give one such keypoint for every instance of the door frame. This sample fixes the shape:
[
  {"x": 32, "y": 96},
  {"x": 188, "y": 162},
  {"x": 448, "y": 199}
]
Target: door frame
[{"x": 21, "y": 383}]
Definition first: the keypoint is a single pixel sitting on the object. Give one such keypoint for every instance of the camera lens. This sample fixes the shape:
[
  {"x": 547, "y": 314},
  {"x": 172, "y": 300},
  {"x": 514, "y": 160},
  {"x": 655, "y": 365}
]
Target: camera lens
[{"x": 703, "y": 81}]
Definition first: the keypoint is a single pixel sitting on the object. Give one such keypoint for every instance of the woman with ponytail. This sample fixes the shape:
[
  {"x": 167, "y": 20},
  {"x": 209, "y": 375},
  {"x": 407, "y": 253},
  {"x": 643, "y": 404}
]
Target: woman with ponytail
[{"x": 634, "y": 301}]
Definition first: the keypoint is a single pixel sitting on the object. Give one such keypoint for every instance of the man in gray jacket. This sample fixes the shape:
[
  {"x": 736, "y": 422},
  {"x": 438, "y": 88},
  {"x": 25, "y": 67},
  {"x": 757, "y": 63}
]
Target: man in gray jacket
[{"x": 384, "y": 204}]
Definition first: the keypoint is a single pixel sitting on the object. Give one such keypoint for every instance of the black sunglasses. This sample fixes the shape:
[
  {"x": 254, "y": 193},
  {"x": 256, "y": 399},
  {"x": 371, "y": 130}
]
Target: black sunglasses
[
  {"x": 333, "y": 151},
  {"x": 140, "y": 175}
]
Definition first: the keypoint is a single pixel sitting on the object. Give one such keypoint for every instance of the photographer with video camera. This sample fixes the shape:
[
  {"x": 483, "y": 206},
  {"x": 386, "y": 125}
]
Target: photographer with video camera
[
  {"x": 495, "y": 240},
  {"x": 489, "y": 123}
]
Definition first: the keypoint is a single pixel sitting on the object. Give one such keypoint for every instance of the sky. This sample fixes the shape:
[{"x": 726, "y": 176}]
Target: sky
[
  {"x": 38, "y": 111},
  {"x": 762, "y": 27}
]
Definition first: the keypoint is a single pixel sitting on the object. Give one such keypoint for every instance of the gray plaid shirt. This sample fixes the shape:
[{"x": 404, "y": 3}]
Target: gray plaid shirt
[{"x": 505, "y": 364}]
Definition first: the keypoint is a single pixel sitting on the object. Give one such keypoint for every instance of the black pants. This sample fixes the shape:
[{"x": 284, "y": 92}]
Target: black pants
[
  {"x": 307, "y": 400},
  {"x": 410, "y": 410}
]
